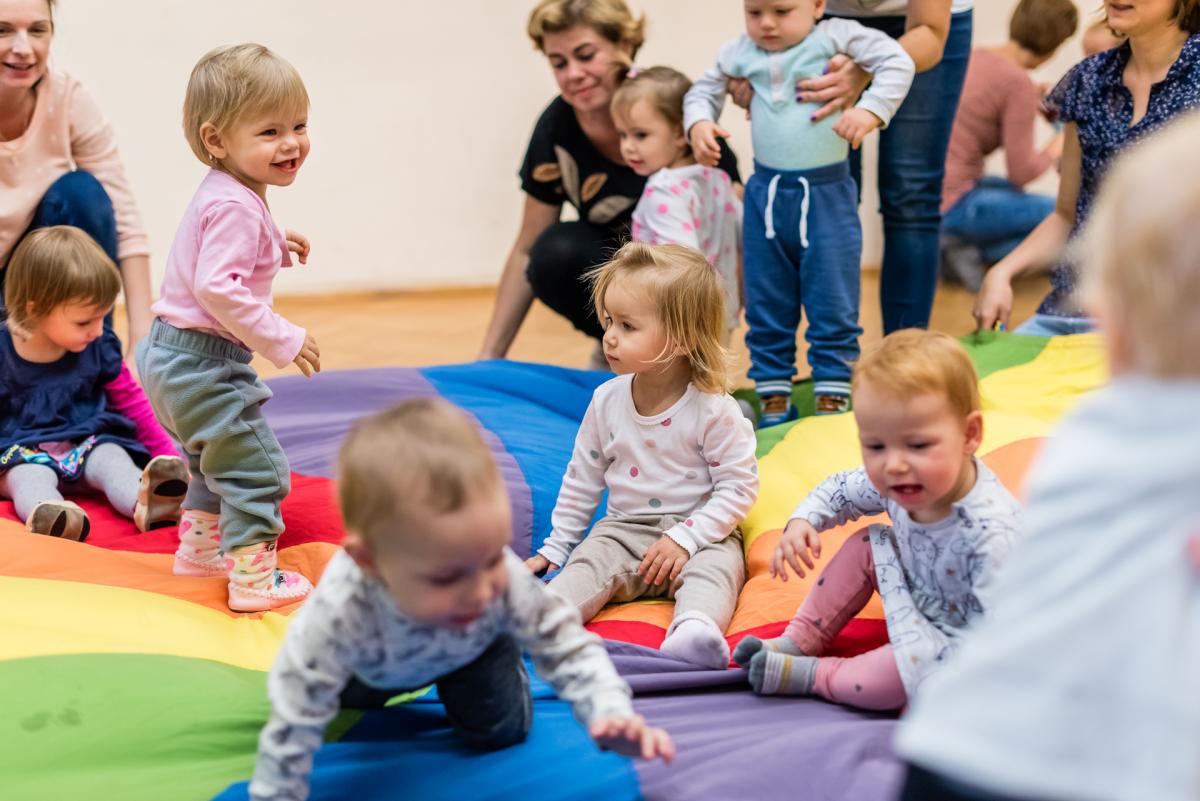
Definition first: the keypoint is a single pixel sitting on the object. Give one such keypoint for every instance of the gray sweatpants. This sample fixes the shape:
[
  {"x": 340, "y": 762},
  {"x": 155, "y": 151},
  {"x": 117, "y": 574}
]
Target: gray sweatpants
[
  {"x": 207, "y": 396},
  {"x": 603, "y": 568}
]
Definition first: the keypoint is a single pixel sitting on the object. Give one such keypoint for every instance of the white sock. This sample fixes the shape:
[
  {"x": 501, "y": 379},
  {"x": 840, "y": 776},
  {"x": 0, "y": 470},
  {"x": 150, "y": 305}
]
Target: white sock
[{"x": 697, "y": 639}]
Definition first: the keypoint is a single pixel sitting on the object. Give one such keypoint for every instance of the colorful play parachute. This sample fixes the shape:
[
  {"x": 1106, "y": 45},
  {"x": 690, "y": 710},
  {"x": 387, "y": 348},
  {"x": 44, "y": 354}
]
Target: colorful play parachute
[{"x": 121, "y": 681}]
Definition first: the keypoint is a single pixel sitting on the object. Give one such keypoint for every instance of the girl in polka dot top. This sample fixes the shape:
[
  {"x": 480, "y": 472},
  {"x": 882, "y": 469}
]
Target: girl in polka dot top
[
  {"x": 670, "y": 446},
  {"x": 684, "y": 203}
]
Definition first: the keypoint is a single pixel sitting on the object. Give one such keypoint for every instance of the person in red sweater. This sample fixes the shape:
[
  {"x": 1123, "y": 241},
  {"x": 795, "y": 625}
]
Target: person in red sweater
[{"x": 984, "y": 217}]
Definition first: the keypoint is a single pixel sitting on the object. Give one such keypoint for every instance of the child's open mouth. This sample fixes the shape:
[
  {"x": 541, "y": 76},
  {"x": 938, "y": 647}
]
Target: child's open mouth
[
  {"x": 905, "y": 491},
  {"x": 290, "y": 165}
]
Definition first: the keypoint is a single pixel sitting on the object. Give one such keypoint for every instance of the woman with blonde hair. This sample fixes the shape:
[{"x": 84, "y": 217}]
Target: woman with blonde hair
[{"x": 574, "y": 156}]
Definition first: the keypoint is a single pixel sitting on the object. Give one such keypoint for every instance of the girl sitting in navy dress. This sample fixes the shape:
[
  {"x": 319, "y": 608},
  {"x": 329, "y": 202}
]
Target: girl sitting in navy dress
[{"x": 56, "y": 356}]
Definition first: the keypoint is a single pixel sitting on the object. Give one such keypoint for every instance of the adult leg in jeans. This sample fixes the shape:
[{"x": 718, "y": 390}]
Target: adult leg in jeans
[
  {"x": 558, "y": 262},
  {"x": 77, "y": 199},
  {"x": 995, "y": 216},
  {"x": 912, "y": 157}
]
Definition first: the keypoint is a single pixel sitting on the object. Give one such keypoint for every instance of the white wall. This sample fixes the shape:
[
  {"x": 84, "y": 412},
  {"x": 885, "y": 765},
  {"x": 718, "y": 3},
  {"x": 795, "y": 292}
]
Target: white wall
[{"x": 420, "y": 115}]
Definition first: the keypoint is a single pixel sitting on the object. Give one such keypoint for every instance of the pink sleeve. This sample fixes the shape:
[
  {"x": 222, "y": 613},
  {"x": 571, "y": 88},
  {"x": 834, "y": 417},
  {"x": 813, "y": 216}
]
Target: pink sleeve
[
  {"x": 94, "y": 149},
  {"x": 125, "y": 396},
  {"x": 1016, "y": 135},
  {"x": 229, "y": 246}
]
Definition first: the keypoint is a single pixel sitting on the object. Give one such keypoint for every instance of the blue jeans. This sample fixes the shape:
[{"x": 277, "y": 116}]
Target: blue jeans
[
  {"x": 803, "y": 249},
  {"x": 77, "y": 199},
  {"x": 912, "y": 160},
  {"x": 995, "y": 217},
  {"x": 1053, "y": 325}
]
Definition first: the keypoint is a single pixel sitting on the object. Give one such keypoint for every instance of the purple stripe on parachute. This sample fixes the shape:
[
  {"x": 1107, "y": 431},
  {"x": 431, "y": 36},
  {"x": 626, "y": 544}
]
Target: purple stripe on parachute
[
  {"x": 310, "y": 416},
  {"x": 735, "y": 744}
]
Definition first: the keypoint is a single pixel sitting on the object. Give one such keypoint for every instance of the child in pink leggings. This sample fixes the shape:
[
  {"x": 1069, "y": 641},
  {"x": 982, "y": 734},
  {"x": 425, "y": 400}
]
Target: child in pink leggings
[{"x": 916, "y": 402}]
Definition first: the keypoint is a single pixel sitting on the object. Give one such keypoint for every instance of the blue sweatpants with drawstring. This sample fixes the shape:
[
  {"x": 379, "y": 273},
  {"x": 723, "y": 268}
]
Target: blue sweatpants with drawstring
[{"x": 803, "y": 247}]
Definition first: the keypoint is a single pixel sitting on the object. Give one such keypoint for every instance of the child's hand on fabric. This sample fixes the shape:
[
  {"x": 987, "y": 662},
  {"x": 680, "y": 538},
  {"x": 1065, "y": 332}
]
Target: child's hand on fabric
[
  {"x": 855, "y": 124},
  {"x": 539, "y": 564},
  {"x": 632, "y": 737},
  {"x": 298, "y": 244},
  {"x": 663, "y": 561},
  {"x": 309, "y": 360},
  {"x": 705, "y": 147},
  {"x": 799, "y": 538}
]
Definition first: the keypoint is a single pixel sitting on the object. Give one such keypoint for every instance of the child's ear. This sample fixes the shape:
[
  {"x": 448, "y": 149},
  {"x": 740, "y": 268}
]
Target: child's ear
[
  {"x": 358, "y": 550},
  {"x": 818, "y": 9},
  {"x": 213, "y": 143},
  {"x": 974, "y": 431}
]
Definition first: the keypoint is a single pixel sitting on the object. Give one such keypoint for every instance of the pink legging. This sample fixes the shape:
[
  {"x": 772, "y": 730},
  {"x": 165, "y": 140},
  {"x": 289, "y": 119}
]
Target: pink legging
[{"x": 867, "y": 681}]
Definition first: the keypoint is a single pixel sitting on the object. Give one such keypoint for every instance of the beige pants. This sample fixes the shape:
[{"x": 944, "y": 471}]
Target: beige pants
[{"x": 603, "y": 568}]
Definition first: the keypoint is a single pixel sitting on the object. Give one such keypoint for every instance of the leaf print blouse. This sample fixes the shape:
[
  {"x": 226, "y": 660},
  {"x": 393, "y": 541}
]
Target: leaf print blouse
[{"x": 562, "y": 165}]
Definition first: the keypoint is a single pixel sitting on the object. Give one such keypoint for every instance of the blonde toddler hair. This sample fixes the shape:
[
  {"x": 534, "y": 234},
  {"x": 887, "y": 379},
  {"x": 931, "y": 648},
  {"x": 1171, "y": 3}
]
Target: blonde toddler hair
[
  {"x": 419, "y": 457},
  {"x": 1139, "y": 254},
  {"x": 52, "y": 266},
  {"x": 913, "y": 362},
  {"x": 612, "y": 19},
  {"x": 687, "y": 297},
  {"x": 233, "y": 83},
  {"x": 664, "y": 87}
]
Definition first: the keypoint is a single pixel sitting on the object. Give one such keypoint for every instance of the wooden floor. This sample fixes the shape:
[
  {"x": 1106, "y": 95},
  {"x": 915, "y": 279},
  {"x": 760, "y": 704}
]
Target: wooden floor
[{"x": 387, "y": 329}]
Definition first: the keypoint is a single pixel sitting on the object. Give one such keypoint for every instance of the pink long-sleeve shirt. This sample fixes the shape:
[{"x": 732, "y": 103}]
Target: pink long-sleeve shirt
[
  {"x": 67, "y": 131},
  {"x": 998, "y": 109},
  {"x": 219, "y": 272}
]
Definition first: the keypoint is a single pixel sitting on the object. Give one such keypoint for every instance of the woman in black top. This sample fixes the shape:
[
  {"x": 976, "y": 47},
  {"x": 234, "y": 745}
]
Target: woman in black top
[{"x": 573, "y": 156}]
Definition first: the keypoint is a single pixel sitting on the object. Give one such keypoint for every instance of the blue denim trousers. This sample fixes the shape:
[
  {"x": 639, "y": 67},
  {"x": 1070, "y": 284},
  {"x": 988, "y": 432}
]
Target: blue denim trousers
[
  {"x": 803, "y": 251},
  {"x": 912, "y": 160},
  {"x": 995, "y": 216},
  {"x": 77, "y": 199}
]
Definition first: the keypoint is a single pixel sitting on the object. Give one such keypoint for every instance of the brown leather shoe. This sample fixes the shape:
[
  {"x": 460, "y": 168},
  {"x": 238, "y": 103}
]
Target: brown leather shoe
[{"x": 59, "y": 519}]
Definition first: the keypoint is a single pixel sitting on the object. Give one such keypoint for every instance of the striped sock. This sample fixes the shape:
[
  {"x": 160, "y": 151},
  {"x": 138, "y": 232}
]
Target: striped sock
[
  {"x": 749, "y": 646},
  {"x": 773, "y": 673}
]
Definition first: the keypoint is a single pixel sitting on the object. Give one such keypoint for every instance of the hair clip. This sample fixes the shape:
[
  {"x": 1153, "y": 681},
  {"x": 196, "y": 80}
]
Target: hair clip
[{"x": 633, "y": 72}]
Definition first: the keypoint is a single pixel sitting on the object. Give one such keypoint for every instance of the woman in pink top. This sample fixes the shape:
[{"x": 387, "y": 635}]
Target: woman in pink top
[
  {"x": 59, "y": 166},
  {"x": 984, "y": 217}
]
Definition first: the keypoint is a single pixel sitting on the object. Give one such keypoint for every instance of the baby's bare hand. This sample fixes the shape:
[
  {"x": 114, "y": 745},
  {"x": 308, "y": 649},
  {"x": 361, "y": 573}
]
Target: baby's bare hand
[
  {"x": 798, "y": 540},
  {"x": 663, "y": 561},
  {"x": 855, "y": 124},
  {"x": 309, "y": 358}
]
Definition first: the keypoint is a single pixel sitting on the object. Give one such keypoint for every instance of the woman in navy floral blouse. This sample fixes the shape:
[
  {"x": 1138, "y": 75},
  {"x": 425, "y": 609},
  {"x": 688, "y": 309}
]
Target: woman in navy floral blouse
[{"x": 1107, "y": 102}]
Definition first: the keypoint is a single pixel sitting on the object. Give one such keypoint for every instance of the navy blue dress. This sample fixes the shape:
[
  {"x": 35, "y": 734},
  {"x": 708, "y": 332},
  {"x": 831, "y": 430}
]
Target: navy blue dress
[{"x": 61, "y": 402}]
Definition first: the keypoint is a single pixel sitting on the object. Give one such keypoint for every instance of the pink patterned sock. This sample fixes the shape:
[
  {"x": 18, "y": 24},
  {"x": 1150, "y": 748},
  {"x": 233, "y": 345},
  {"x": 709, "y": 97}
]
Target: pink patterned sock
[
  {"x": 199, "y": 552},
  {"x": 256, "y": 585}
]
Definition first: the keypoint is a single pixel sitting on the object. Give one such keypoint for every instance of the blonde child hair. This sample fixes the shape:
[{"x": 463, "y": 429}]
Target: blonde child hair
[
  {"x": 52, "y": 266},
  {"x": 1140, "y": 253},
  {"x": 664, "y": 87},
  {"x": 235, "y": 82},
  {"x": 686, "y": 293},
  {"x": 913, "y": 361},
  {"x": 612, "y": 19},
  {"x": 423, "y": 455}
]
